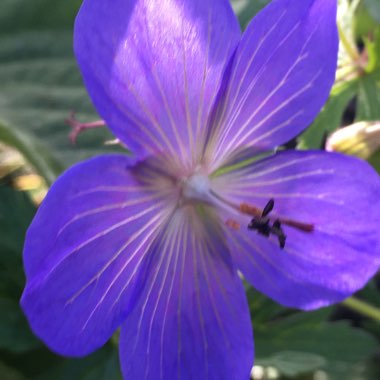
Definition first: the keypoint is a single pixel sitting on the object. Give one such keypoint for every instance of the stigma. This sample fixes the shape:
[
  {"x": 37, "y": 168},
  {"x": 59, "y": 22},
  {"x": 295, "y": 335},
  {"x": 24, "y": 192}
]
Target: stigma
[{"x": 196, "y": 187}]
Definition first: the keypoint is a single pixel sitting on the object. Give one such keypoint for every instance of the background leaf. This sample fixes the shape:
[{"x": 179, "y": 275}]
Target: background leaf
[
  {"x": 37, "y": 14},
  {"x": 330, "y": 117},
  {"x": 8, "y": 373},
  {"x": 246, "y": 9},
  {"x": 16, "y": 212},
  {"x": 41, "y": 85},
  {"x": 102, "y": 365},
  {"x": 373, "y": 7},
  {"x": 335, "y": 347},
  {"x": 369, "y": 98}
]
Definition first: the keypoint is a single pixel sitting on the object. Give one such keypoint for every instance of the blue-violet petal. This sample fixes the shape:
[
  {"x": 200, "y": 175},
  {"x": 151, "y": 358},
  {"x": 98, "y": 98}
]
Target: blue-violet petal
[
  {"x": 339, "y": 196},
  {"x": 83, "y": 253}
]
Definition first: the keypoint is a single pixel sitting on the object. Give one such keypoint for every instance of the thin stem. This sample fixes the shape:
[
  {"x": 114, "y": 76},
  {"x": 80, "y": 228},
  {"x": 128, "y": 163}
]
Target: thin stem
[
  {"x": 363, "y": 308},
  {"x": 350, "y": 48},
  {"x": 78, "y": 127}
]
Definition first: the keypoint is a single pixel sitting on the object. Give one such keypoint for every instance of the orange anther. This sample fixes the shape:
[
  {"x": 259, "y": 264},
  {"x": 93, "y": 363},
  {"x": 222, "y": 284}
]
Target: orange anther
[
  {"x": 250, "y": 210},
  {"x": 233, "y": 224}
]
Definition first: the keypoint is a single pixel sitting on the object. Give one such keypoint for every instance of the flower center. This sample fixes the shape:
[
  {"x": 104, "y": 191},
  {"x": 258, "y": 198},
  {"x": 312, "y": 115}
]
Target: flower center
[{"x": 196, "y": 187}]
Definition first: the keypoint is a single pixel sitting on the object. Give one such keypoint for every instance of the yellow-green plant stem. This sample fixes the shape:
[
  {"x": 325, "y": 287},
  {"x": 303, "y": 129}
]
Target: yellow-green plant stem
[
  {"x": 349, "y": 47},
  {"x": 362, "y": 308},
  {"x": 241, "y": 164}
]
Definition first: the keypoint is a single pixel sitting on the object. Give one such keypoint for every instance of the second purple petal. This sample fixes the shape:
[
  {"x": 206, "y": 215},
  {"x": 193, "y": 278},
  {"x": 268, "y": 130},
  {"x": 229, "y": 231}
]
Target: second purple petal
[
  {"x": 339, "y": 196},
  {"x": 153, "y": 68},
  {"x": 281, "y": 76},
  {"x": 192, "y": 320},
  {"x": 83, "y": 252}
]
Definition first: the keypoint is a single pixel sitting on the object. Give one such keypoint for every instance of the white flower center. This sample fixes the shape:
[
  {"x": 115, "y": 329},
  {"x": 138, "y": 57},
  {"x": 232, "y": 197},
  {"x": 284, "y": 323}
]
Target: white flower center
[{"x": 197, "y": 187}]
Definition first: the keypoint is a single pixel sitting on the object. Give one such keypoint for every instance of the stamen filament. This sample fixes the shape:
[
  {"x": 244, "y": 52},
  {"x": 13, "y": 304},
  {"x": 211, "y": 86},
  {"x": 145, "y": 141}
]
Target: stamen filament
[
  {"x": 306, "y": 227},
  {"x": 250, "y": 210},
  {"x": 257, "y": 212}
]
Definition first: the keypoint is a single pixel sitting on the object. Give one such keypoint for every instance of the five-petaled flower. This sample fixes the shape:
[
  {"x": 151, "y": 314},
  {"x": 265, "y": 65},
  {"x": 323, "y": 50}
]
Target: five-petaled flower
[{"x": 154, "y": 243}]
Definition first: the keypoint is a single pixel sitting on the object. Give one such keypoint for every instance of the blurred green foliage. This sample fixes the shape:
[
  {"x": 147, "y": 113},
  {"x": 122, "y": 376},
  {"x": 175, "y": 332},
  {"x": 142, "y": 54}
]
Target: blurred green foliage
[
  {"x": 356, "y": 94},
  {"x": 41, "y": 85}
]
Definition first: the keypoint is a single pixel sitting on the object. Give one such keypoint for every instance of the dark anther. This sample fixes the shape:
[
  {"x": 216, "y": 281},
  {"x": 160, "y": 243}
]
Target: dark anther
[
  {"x": 262, "y": 225},
  {"x": 277, "y": 230},
  {"x": 268, "y": 208}
]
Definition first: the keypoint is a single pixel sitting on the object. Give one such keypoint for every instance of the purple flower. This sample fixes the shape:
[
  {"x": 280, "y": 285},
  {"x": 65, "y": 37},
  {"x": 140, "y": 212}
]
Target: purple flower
[{"x": 154, "y": 243}]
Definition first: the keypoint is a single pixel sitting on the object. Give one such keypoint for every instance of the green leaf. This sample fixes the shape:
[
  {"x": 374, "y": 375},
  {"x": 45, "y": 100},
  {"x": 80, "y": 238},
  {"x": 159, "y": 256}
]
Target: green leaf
[
  {"x": 247, "y": 9},
  {"x": 366, "y": 18},
  {"x": 41, "y": 85},
  {"x": 337, "y": 343},
  {"x": 42, "y": 364},
  {"x": 373, "y": 7},
  {"x": 368, "y": 106},
  {"x": 293, "y": 363},
  {"x": 330, "y": 118},
  {"x": 36, "y": 14},
  {"x": 32, "y": 150},
  {"x": 16, "y": 213},
  {"x": 15, "y": 334},
  {"x": 262, "y": 308},
  {"x": 102, "y": 365},
  {"x": 372, "y": 46},
  {"x": 9, "y": 373}
]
